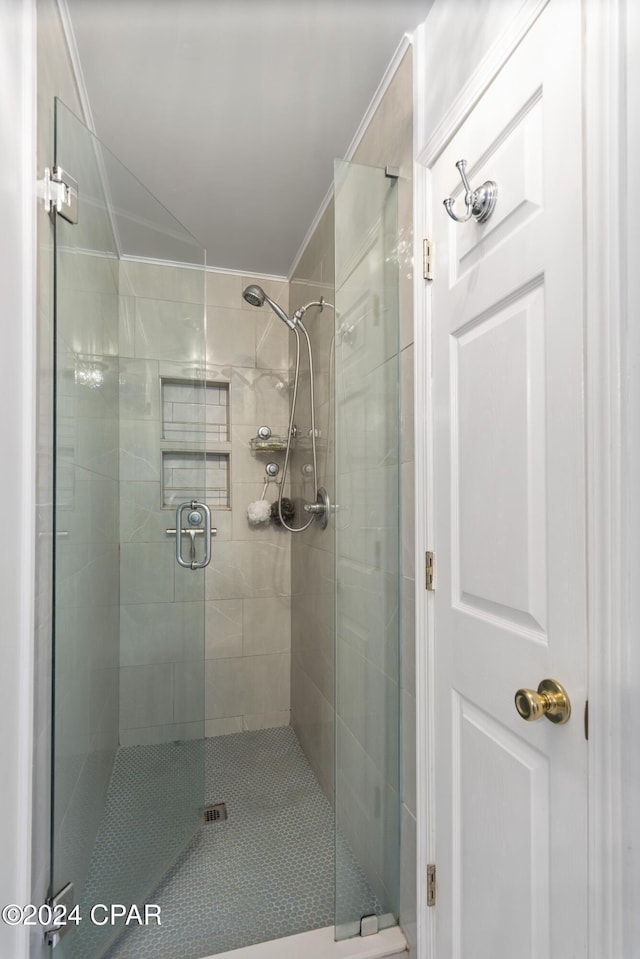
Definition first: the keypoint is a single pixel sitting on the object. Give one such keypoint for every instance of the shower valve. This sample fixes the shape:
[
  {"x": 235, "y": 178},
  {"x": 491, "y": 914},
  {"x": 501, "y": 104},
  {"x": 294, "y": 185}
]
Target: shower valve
[{"x": 321, "y": 508}]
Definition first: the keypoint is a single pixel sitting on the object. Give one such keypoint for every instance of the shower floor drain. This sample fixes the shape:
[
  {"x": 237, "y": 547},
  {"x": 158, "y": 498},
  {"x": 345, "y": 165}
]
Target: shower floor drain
[{"x": 216, "y": 813}]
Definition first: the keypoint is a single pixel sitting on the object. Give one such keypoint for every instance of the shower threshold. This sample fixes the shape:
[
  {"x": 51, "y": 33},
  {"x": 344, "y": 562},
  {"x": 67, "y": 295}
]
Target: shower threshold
[{"x": 320, "y": 944}]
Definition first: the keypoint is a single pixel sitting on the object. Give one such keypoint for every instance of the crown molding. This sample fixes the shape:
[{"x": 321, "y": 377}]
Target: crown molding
[{"x": 76, "y": 65}]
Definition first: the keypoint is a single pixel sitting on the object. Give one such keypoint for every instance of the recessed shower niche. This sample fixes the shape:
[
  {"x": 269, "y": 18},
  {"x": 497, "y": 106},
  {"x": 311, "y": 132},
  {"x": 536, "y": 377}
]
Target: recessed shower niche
[
  {"x": 184, "y": 415},
  {"x": 187, "y": 422}
]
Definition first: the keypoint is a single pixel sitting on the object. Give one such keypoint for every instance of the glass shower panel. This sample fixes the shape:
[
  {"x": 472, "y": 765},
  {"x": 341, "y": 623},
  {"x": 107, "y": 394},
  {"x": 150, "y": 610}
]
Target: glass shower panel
[
  {"x": 130, "y": 445},
  {"x": 367, "y": 429}
]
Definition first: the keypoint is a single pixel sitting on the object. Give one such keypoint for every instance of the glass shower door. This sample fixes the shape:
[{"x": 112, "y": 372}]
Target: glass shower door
[
  {"x": 367, "y": 563},
  {"x": 131, "y": 432}
]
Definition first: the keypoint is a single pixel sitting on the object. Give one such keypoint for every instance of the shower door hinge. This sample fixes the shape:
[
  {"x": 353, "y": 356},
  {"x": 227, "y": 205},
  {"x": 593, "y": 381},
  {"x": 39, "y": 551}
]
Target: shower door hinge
[
  {"x": 59, "y": 192},
  {"x": 427, "y": 255},
  {"x": 431, "y": 885},
  {"x": 429, "y": 570},
  {"x": 62, "y": 915}
]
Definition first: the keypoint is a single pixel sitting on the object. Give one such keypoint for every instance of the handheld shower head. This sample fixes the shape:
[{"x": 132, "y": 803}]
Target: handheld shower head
[{"x": 255, "y": 296}]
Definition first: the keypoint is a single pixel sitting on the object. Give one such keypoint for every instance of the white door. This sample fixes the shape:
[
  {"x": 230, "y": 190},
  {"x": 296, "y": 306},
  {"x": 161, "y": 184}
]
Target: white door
[{"x": 509, "y": 497}]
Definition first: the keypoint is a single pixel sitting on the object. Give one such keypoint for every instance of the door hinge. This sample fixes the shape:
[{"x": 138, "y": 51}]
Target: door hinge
[
  {"x": 429, "y": 570},
  {"x": 586, "y": 719},
  {"x": 62, "y": 914},
  {"x": 431, "y": 885},
  {"x": 427, "y": 255},
  {"x": 59, "y": 192}
]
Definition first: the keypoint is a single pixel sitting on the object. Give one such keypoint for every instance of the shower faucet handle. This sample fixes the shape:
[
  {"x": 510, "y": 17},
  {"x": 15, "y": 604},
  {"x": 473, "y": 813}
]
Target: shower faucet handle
[
  {"x": 204, "y": 509},
  {"x": 321, "y": 509}
]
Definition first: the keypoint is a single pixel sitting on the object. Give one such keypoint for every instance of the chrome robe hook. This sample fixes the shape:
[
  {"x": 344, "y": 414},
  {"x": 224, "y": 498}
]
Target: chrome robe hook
[{"x": 479, "y": 203}]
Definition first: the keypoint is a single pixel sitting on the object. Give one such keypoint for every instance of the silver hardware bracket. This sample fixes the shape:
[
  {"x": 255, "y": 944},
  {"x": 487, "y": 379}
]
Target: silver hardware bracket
[
  {"x": 369, "y": 925},
  {"x": 392, "y": 172},
  {"x": 427, "y": 256},
  {"x": 431, "y": 884},
  {"x": 61, "y": 906},
  {"x": 430, "y": 562},
  {"x": 59, "y": 192}
]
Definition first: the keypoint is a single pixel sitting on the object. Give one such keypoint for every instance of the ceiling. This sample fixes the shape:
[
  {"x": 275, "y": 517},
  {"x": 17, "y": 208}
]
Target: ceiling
[{"x": 232, "y": 111}]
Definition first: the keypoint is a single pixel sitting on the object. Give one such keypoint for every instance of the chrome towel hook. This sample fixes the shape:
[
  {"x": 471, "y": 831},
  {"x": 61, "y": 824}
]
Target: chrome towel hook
[{"x": 479, "y": 203}]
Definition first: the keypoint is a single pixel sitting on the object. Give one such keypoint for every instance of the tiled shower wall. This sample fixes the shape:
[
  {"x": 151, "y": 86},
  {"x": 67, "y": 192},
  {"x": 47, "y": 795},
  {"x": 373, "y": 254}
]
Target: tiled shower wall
[
  {"x": 247, "y": 586},
  {"x": 387, "y": 141},
  {"x": 313, "y": 551}
]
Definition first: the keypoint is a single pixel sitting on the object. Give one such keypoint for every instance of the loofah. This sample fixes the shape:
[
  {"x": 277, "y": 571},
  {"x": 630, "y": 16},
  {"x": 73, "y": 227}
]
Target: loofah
[
  {"x": 288, "y": 511},
  {"x": 258, "y": 512}
]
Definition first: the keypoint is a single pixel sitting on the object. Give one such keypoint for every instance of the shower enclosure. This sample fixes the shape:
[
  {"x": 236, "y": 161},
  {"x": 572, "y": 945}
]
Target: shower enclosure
[{"x": 148, "y": 424}]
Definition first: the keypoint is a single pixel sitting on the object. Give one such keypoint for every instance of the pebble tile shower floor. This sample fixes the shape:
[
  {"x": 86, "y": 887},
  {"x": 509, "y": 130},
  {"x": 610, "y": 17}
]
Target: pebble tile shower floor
[{"x": 267, "y": 872}]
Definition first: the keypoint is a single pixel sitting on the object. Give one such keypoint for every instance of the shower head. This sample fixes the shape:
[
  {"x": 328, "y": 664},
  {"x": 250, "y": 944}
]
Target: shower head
[{"x": 255, "y": 296}]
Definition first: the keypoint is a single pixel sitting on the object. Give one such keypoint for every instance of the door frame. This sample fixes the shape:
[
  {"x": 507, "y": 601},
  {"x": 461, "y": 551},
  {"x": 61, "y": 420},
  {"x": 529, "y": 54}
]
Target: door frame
[{"x": 603, "y": 69}]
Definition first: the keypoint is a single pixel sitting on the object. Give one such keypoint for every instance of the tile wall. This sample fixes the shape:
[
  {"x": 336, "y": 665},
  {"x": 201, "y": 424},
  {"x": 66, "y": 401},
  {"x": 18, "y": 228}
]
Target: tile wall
[
  {"x": 237, "y": 614},
  {"x": 313, "y": 551}
]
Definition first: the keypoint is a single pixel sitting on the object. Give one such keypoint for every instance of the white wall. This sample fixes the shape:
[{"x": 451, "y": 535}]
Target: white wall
[
  {"x": 630, "y": 661},
  {"x": 17, "y": 300}
]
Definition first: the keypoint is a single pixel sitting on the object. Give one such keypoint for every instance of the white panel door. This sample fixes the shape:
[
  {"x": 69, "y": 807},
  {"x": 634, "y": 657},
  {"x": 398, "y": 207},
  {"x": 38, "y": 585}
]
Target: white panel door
[{"x": 509, "y": 495}]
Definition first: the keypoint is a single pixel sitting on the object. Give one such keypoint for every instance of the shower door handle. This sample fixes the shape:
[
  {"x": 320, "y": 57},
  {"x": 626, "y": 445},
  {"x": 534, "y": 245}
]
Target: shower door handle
[{"x": 202, "y": 507}]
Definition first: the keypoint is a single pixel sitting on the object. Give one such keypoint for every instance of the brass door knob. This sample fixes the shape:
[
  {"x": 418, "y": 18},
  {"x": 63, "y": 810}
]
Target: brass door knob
[{"x": 550, "y": 700}]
